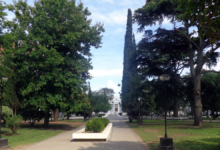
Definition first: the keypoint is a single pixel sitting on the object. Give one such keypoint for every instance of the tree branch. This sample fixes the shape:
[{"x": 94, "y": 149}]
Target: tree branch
[{"x": 188, "y": 39}]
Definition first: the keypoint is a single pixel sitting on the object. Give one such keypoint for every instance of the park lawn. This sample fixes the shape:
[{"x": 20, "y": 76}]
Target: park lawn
[
  {"x": 27, "y": 135},
  {"x": 161, "y": 121},
  {"x": 185, "y": 135}
]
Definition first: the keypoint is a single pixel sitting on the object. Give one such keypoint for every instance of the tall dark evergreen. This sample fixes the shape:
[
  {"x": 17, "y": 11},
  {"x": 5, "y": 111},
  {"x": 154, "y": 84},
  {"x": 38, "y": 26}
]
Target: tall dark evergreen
[{"x": 127, "y": 51}]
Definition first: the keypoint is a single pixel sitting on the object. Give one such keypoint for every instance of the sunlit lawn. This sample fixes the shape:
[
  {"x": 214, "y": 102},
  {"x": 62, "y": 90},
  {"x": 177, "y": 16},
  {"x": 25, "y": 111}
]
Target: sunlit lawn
[
  {"x": 184, "y": 134},
  {"x": 27, "y": 135}
]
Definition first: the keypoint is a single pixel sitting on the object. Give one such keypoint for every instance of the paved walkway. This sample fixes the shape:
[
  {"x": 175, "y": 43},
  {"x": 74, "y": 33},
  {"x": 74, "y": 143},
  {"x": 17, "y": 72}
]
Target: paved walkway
[{"x": 121, "y": 138}]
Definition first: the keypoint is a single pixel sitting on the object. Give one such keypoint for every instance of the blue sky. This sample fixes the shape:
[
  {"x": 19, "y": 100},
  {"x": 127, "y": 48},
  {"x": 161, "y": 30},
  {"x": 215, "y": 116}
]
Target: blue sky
[{"x": 107, "y": 61}]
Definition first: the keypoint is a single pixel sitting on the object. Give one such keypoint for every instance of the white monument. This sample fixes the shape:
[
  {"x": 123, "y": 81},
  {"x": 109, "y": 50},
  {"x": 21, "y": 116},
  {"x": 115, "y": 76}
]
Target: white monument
[{"x": 115, "y": 106}]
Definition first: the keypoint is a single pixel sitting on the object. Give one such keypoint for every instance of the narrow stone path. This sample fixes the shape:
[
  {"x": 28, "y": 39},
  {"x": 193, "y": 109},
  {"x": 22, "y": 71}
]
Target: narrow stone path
[{"x": 121, "y": 138}]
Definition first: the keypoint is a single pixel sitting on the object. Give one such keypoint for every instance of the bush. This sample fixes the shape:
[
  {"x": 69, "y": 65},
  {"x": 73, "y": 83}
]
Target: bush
[
  {"x": 13, "y": 123},
  {"x": 32, "y": 115},
  {"x": 99, "y": 115},
  {"x": 6, "y": 111},
  {"x": 97, "y": 125},
  {"x": 88, "y": 126},
  {"x": 105, "y": 121}
]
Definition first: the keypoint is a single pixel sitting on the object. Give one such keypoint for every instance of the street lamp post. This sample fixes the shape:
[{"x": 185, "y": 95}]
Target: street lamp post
[
  {"x": 165, "y": 142},
  {"x": 3, "y": 142}
]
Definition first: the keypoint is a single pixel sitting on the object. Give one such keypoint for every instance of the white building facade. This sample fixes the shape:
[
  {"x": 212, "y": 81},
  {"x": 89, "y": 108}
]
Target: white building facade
[{"x": 115, "y": 106}]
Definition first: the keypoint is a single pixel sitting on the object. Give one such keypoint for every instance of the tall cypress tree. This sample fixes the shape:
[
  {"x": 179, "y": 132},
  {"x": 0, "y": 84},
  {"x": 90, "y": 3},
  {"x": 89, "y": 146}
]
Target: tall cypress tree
[{"x": 127, "y": 51}]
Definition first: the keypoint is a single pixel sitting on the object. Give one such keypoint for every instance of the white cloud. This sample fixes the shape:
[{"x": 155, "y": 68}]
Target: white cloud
[
  {"x": 105, "y": 1},
  {"x": 117, "y": 17},
  {"x": 131, "y": 3},
  {"x": 119, "y": 31},
  {"x": 103, "y": 73},
  {"x": 115, "y": 87}
]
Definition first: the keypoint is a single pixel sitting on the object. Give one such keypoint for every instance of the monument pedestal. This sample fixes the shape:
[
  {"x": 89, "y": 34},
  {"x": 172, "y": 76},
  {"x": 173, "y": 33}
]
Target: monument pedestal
[
  {"x": 166, "y": 143},
  {"x": 4, "y": 144}
]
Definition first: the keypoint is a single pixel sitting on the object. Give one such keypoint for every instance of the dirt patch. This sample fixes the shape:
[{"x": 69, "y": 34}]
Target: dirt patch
[
  {"x": 19, "y": 147},
  {"x": 151, "y": 131},
  {"x": 65, "y": 125},
  {"x": 179, "y": 134},
  {"x": 167, "y": 123}
]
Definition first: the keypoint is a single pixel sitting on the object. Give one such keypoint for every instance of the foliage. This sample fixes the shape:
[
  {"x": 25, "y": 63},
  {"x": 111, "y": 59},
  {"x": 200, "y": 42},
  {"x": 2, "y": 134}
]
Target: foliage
[
  {"x": 105, "y": 121},
  {"x": 97, "y": 124},
  {"x": 191, "y": 13},
  {"x": 13, "y": 123},
  {"x": 100, "y": 102},
  {"x": 203, "y": 14},
  {"x": 6, "y": 111},
  {"x": 210, "y": 92},
  {"x": 127, "y": 67},
  {"x": 10, "y": 96},
  {"x": 32, "y": 115},
  {"x": 53, "y": 59},
  {"x": 100, "y": 115},
  {"x": 88, "y": 126}
]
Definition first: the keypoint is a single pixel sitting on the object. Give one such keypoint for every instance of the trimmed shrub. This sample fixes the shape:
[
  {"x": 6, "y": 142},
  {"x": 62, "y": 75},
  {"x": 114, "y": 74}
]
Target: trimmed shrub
[
  {"x": 105, "y": 121},
  {"x": 88, "y": 126},
  {"x": 100, "y": 115},
  {"x": 97, "y": 125}
]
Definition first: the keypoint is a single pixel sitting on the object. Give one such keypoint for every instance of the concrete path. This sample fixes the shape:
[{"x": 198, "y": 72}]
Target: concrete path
[{"x": 121, "y": 138}]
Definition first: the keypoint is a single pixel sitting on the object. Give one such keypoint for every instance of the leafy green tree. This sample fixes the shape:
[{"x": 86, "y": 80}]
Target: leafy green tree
[
  {"x": 100, "y": 102},
  {"x": 53, "y": 59},
  {"x": 155, "y": 59},
  {"x": 155, "y": 11}
]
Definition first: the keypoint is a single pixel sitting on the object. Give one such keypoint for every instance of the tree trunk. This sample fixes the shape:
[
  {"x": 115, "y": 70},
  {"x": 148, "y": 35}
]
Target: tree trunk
[
  {"x": 46, "y": 119},
  {"x": 175, "y": 112},
  {"x": 85, "y": 118},
  {"x": 56, "y": 114},
  {"x": 207, "y": 113},
  {"x": 213, "y": 115},
  {"x": 68, "y": 116},
  {"x": 130, "y": 118},
  {"x": 197, "y": 100}
]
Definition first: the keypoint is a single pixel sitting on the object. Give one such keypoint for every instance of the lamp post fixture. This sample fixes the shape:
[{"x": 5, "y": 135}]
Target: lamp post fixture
[
  {"x": 3, "y": 142},
  {"x": 165, "y": 142}
]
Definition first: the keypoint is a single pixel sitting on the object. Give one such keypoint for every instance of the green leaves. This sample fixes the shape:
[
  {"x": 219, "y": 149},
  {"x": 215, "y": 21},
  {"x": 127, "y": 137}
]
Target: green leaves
[{"x": 53, "y": 55}]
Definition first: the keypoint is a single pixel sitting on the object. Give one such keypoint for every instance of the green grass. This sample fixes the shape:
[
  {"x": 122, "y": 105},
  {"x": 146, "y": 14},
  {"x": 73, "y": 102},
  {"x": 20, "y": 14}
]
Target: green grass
[
  {"x": 27, "y": 135},
  {"x": 161, "y": 121},
  {"x": 185, "y": 136}
]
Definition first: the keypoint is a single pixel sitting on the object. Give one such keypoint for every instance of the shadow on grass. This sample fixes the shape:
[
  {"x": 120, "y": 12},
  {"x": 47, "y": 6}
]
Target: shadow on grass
[
  {"x": 51, "y": 127},
  {"x": 203, "y": 144}
]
